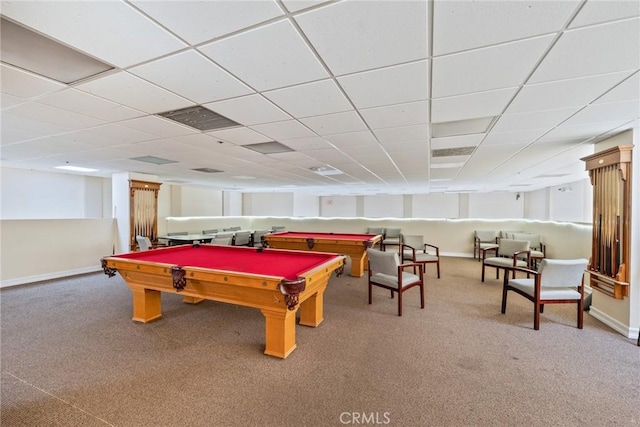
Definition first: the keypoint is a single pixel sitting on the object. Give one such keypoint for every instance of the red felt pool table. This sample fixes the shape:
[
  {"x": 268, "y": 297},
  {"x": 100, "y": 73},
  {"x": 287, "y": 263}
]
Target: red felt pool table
[
  {"x": 352, "y": 244},
  {"x": 278, "y": 282}
]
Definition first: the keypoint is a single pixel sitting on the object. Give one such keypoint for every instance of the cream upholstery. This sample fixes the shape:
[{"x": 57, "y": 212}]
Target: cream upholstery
[
  {"x": 510, "y": 253},
  {"x": 415, "y": 249},
  {"x": 556, "y": 282},
  {"x": 386, "y": 271}
]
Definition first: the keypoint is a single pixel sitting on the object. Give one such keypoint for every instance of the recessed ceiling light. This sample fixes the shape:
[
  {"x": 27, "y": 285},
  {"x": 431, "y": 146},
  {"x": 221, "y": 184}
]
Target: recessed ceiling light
[
  {"x": 446, "y": 165},
  {"x": 247, "y": 177},
  {"x": 447, "y": 152},
  {"x": 268, "y": 147},
  {"x": 76, "y": 168},
  {"x": 153, "y": 159},
  {"x": 325, "y": 170},
  {"x": 461, "y": 127},
  {"x": 30, "y": 51}
]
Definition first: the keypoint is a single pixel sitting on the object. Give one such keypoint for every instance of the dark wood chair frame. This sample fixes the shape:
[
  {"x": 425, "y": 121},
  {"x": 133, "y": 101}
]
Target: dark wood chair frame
[{"x": 417, "y": 270}]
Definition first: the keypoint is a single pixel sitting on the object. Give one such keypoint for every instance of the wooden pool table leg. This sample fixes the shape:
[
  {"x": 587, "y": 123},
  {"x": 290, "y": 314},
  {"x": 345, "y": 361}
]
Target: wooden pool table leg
[
  {"x": 312, "y": 310},
  {"x": 280, "y": 332},
  {"x": 146, "y": 304},
  {"x": 191, "y": 300},
  {"x": 358, "y": 265}
]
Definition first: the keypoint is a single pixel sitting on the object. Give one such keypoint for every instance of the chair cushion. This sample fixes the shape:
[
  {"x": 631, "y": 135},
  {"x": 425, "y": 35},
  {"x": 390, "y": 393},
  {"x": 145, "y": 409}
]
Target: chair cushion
[
  {"x": 503, "y": 262},
  {"x": 392, "y": 281},
  {"x": 528, "y": 287},
  {"x": 488, "y": 245},
  {"x": 562, "y": 272},
  {"x": 508, "y": 247},
  {"x": 425, "y": 257},
  {"x": 536, "y": 254}
]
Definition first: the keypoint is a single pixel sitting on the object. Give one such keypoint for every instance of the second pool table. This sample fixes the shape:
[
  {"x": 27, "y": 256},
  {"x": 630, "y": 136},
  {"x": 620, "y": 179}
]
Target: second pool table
[
  {"x": 352, "y": 244},
  {"x": 278, "y": 282}
]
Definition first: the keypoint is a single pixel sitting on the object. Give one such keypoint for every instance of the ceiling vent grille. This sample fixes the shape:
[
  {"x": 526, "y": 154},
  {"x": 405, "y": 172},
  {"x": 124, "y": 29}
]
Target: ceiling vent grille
[
  {"x": 268, "y": 147},
  {"x": 199, "y": 118},
  {"x": 448, "y": 152},
  {"x": 207, "y": 170}
]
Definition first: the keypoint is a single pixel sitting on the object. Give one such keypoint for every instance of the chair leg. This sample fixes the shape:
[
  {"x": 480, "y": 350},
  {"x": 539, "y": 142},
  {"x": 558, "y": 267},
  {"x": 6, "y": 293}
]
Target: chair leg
[
  {"x": 438, "y": 264},
  {"x": 580, "y": 313},
  {"x": 504, "y": 294},
  {"x": 370, "y": 293},
  {"x": 422, "y": 295},
  {"x": 541, "y": 308},
  {"x": 536, "y": 316},
  {"x": 483, "y": 271},
  {"x": 399, "y": 303}
]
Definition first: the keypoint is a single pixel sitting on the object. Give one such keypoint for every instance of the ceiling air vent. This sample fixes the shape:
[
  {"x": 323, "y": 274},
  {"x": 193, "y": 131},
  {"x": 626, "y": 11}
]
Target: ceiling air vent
[
  {"x": 199, "y": 118},
  {"x": 447, "y": 152},
  {"x": 207, "y": 170},
  {"x": 153, "y": 159}
]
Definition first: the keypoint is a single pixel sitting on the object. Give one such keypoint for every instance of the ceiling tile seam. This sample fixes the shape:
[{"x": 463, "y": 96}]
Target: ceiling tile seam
[{"x": 301, "y": 33}]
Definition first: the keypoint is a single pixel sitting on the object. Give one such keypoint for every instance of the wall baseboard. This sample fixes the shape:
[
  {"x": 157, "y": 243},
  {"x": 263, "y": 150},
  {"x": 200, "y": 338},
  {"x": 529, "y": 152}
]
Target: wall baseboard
[
  {"x": 614, "y": 324},
  {"x": 48, "y": 276}
]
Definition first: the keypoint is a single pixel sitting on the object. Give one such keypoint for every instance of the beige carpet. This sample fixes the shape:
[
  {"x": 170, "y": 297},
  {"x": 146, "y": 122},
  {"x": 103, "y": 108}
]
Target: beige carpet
[{"x": 72, "y": 356}]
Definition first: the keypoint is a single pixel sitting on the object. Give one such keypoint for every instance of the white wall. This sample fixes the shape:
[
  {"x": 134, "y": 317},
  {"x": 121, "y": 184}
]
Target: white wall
[
  {"x": 435, "y": 206},
  {"x": 200, "y": 201},
  {"x": 267, "y": 204},
  {"x": 382, "y": 206},
  {"x": 27, "y": 194},
  {"x": 496, "y": 205},
  {"x": 305, "y": 205},
  {"x": 338, "y": 206}
]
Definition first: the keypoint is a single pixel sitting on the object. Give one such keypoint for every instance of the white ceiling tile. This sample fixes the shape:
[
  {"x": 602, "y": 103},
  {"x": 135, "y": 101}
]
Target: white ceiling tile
[
  {"x": 7, "y": 101},
  {"x": 268, "y": 57},
  {"x": 352, "y": 138},
  {"x": 199, "y": 21},
  {"x": 520, "y": 137},
  {"x": 249, "y": 110},
  {"x": 563, "y": 93},
  {"x": 625, "y": 91},
  {"x": 310, "y": 99},
  {"x": 533, "y": 120},
  {"x": 594, "y": 12},
  {"x": 24, "y": 85},
  {"x": 134, "y": 92},
  {"x": 382, "y": 27},
  {"x": 600, "y": 49},
  {"x": 467, "y": 25},
  {"x": 410, "y": 82},
  {"x": 405, "y": 133},
  {"x": 303, "y": 144},
  {"x": 53, "y": 115},
  {"x": 485, "y": 69},
  {"x": 158, "y": 126},
  {"x": 605, "y": 112},
  {"x": 413, "y": 113},
  {"x": 122, "y": 134},
  {"x": 348, "y": 121},
  {"x": 240, "y": 136},
  {"x": 132, "y": 37},
  {"x": 289, "y": 129},
  {"x": 193, "y": 76},
  {"x": 471, "y": 106},
  {"x": 580, "y": 132},
  {"x": 18, "y": 128},
  {"x": 90, "y": 105},
  {"x": 297, "y": 5}
]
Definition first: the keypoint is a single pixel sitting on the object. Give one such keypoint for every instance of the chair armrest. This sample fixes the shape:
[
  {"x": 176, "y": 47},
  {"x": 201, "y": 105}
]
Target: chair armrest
[
  {"x": 414, "y": 265},
  {"x": 522, "y": 269},
  {"x": 432, "y": 246},
  {"x": 484, "y": 251}
]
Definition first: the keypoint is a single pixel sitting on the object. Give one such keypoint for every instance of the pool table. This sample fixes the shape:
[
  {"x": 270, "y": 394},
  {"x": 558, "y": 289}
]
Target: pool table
[
  {"x": 278, "y": 282},
  {"x": 351, "y": 244}
]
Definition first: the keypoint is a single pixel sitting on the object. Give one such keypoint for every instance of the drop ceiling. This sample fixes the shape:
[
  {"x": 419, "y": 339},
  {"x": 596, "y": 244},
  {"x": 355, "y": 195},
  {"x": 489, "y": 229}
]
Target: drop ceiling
[{"x": 398, "y": 97}]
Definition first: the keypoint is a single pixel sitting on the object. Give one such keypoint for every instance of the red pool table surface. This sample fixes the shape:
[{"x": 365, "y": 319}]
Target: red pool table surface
[
  {"x": 280, "y": 283},
  {"x": 266, "y": 262},
  {"x": 352, "y": 244}
]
